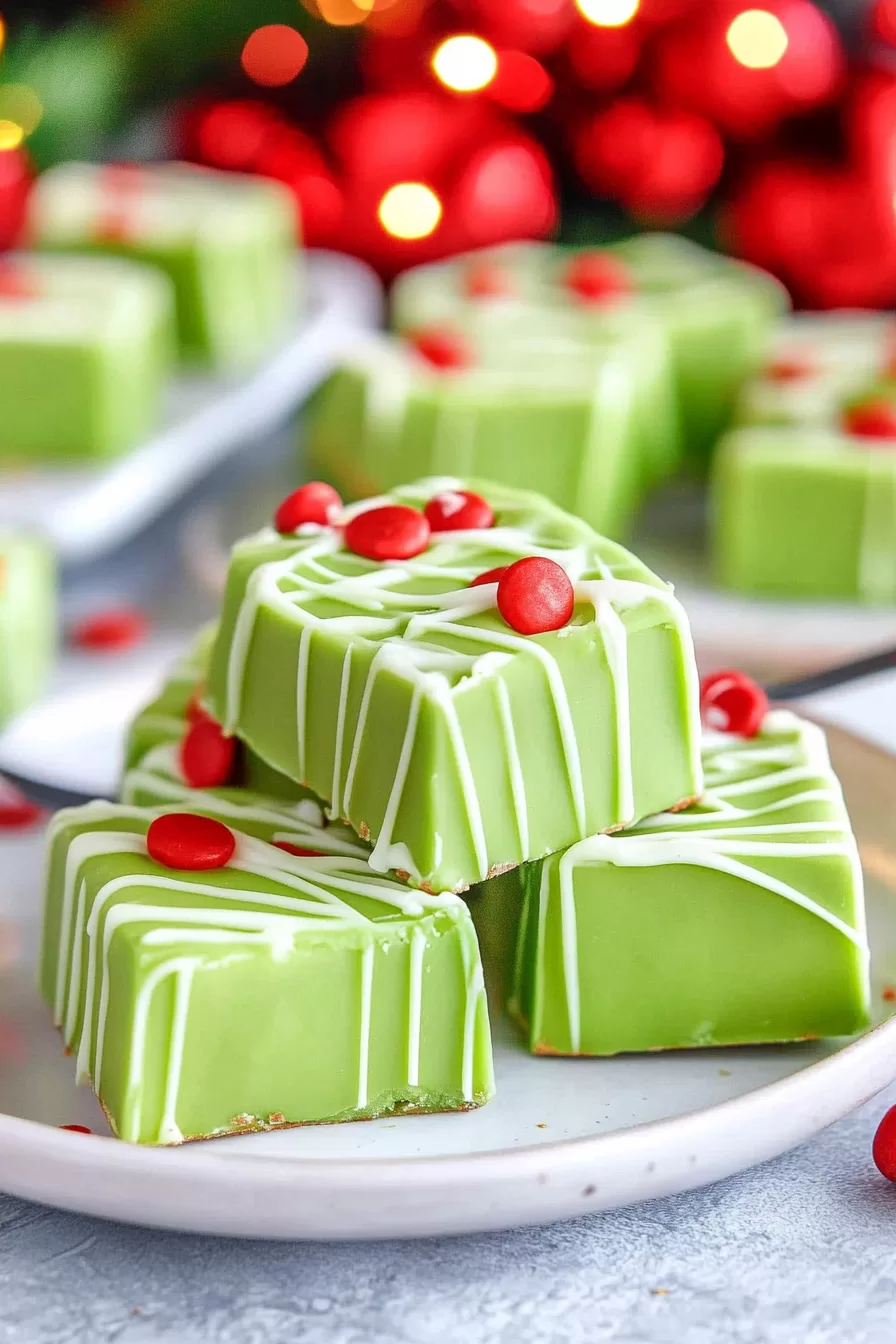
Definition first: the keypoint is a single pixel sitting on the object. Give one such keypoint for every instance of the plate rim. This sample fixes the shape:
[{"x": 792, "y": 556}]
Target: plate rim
[{"x": 500, "y": 1188}]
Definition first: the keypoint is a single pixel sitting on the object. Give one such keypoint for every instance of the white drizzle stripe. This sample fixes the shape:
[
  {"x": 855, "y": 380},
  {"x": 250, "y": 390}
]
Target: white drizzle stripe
[
  {"x": 168, "y": 1129},
  {"x": 302, "y": 697},
  {"x": 514, "y": 766},
  {"x": 570, "y": 948},
  {"x": 364, "y": 1033},
  {"x": 384, "y": 856},
  {"x": 416, "y": 953},
  {"x": 335, "y": 809},
  {"x": 132, "y": 1123},
  {"x": 616, "y": 648}
]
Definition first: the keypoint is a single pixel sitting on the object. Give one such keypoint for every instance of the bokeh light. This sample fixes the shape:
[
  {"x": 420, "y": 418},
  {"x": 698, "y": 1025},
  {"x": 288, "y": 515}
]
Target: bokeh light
[
  {"x": 410, "y": 210},
  {"x": 11, "y": 134},
  {"x": 274, "y": 54},
  {"x": 522, "y": 84},
  {"x": 608, "y": 13},
  {"x": 20, "y": 104},
  {"x": 757, "y": 39},
  {"x": 2, "y": 32},
  {"x": 465, "y": 63},
  {"x": 340, "y": 13}
]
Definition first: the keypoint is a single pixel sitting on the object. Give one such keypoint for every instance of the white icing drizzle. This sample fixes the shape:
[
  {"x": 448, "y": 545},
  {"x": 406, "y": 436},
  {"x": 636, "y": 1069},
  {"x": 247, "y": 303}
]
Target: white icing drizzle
[
  {"x": 364, "y": 1033},
  {"x": 312, "y": 890},
  {"x": 344, "y": 684},
  {"x": 724, "y": 835},
  {"x": 407, "y": 629}
]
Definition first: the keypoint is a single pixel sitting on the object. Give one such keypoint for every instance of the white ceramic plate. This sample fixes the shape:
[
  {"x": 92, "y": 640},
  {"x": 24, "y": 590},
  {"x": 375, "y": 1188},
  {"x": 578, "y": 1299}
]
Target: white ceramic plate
[
  {"x": 86, "y": 513},
  {"x": 563, "y": 1137}
]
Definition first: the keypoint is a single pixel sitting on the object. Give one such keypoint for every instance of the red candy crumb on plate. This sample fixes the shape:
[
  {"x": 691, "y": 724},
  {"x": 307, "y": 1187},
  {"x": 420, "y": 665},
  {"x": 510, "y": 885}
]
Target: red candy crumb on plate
[
  {"x": 17, "y": 814},
  {"x": 596, "y": 277},
  {"x": 731, "y": 702},
  {"x": 109, "y": 631},
  {"x": 207, "y": 755},
  {"x": 391, "y": 532},
  {"x": 486, "y": 280},
  {"x": 458, "y": 511},
  {"x": 315, "y": 502},
  {"x": 789, "y": 369},
  {"x": 190, "y": 842},
  {"x": 883, "y": 1149},
  {"x": 535, "y": 595},
  {"x": 873, "y": 419},
  {"x": 77, "y": 1129}
]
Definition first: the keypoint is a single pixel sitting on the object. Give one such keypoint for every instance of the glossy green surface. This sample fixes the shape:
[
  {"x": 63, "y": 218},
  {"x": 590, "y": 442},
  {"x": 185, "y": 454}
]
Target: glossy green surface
[
  {"x": 716, "y": 312},
  {"x": 457, "y": 746},
  {"x": 27, "y": 621},
  {"x": 740, "y": 920},
  {"x": 276, "y": 990},
  {"x": 805, "y": 513}
]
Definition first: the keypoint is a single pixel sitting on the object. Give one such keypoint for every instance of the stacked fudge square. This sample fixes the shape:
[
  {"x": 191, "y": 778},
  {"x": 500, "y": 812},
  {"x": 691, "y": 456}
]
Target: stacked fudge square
[{"x": 455, "y": 700}]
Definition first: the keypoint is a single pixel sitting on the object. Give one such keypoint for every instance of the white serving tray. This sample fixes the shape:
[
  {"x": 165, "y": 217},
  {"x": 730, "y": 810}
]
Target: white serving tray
[
  {"x": 85, "y": 513},
  {"x": 563, "y": 1136}
]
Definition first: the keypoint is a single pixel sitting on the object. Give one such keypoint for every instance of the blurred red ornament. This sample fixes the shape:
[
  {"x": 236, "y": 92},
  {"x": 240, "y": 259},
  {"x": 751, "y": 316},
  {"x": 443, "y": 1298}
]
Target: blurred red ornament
[
  {"x": 660, "y": 165},
  {"x": 604, "y": 59},
  {"x": 535, "y": 26},
  {"x": 274, "y": 54},
  {"x": 881, "y": 21},
  {"x": 521, "y": 83},
  {"x": 15, "y": 182},
  {"x": 821, "y": 230},
  {"x": 747, "y": 68}
]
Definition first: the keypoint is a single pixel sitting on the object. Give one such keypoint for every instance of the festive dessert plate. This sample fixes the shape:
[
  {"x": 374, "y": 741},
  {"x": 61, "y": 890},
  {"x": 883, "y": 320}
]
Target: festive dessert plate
[
  {"x": 562, "y": 1137},
  {"x": 86, "y": 512}
]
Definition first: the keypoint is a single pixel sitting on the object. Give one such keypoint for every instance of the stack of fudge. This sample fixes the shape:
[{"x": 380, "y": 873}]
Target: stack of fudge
[{"x": 445, "y": 726}]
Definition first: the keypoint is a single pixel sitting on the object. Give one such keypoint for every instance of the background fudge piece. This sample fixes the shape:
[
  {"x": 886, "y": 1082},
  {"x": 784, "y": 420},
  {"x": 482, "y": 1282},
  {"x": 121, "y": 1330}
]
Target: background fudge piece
[
  {"x": 739, "y": 920},
  {"x": 27, "y": 621},
  {"x": 397, "y": 691},
  {"x": 818, "y": 365},
  {"x": 271, "y": 989},
  {"x": 225, "y": 240},
  {"x": 85, "y": 345},
  {"x": 805, "y": 513},
  {"x": 567, "y": 427},
  {"x": 716, "y": 311}
]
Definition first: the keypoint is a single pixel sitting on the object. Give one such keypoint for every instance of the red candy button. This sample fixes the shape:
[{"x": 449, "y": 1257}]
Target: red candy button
[
  {"x": 535, "y": 595},
  {"x": 490, "y": 576},
  {"x": 596, "y": 277},
  {"x": 457, "y": 511},
  {"x": 19, "y": 814},
  {"x": 77, "y": 1129},
  {"x": 486, "y": 280},
  {"x": 871, "y": 419},
  {"x": 392, "y": 532},
  {"x": 443, "y": 348},
  {"x": 732, "y": 702},
  {"x": 883, "y": 1149},
  {"x": 185, "y": 840},
  {"x": 315, "y": 502},
  {"x": 206, "y": 755},
  {"x": 16, "y": 282},
  {"x": 298, "y": 850},
  {"x": 110, "y": 630},
  {"x": 789, "y": 369}
]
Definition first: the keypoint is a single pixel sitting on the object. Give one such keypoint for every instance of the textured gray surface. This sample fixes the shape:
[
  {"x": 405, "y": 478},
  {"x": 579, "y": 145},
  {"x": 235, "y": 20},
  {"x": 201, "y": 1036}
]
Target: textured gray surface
[{"x": 801, "y": 1251}]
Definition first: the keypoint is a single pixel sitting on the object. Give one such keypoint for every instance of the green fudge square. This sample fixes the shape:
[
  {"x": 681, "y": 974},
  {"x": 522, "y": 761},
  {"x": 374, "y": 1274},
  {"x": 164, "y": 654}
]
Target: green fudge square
[
  {"x": 715, "y": 312},
  {"x": 817, "y": 364},
  {"x": 184, "y": 993},
  {"x": 567, "y": 427},
  {"x": 85, "y": 347},
  {"x": 805, "y": 512},
  {"x": 225, "y": 240},
  {"x": 27, "y": 621},
  {"x": 458, "y": 747},
  {"x": 738, "y": 921}
]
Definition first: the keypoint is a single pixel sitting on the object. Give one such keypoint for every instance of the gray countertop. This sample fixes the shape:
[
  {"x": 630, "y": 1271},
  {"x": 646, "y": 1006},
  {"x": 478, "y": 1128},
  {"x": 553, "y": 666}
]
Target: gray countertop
[{"x": 800, "y": 1251}]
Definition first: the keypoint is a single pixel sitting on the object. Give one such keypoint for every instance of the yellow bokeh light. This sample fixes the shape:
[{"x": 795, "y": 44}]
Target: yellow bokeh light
[
  {"x": 2, "y": 33},
  {"x": 608, "y": 13},
  {"x": 465, "y": 63},
  {"x": 11, "y": 134},
  {"x": 341, "y": 13},
  {"x": 20, "y": 105},
  {"x": 410, "y": 210},
  {"x": 757, "y": 39}
]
